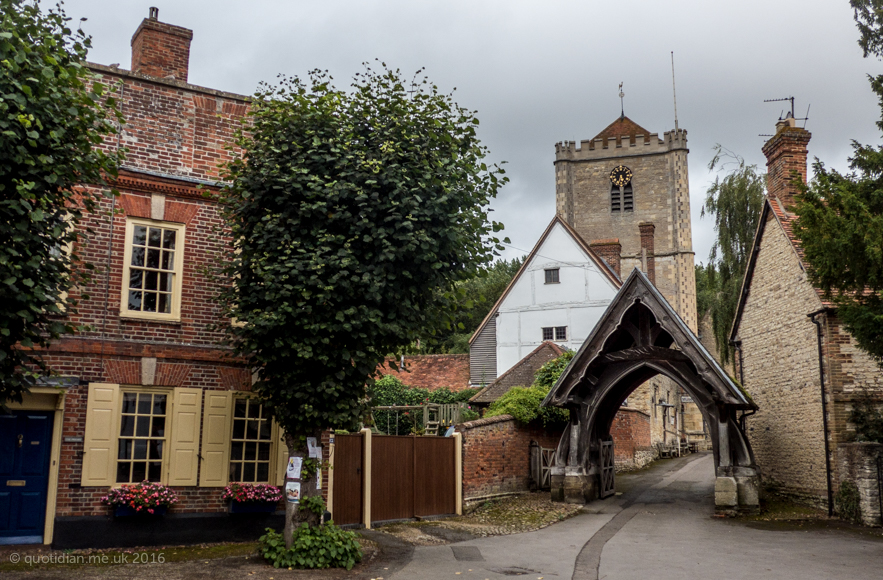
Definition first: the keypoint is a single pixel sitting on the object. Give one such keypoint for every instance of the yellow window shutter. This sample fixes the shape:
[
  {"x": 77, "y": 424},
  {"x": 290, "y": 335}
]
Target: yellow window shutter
[
  {"x": 216, "y": 434},
  {"x": 184, "y": 445},
  {"x": 100, "y": 439},
  {"x": 281, "y": 453}
]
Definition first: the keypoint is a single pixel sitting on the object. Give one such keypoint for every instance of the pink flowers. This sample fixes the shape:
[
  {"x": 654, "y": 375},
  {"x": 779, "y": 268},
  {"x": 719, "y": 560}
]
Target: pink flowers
[
  {"x": 251, "y": 492},
  {"x": 144, "y": 496}
]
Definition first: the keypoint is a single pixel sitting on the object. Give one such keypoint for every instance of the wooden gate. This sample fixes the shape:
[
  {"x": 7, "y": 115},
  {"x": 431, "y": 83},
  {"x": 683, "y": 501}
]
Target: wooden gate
[
  {"x": 542, "y": 460},
  {"x": 608, "y": 470},
  {"x": 409, "y": 477},
  {"x": 347, "y": 479}
]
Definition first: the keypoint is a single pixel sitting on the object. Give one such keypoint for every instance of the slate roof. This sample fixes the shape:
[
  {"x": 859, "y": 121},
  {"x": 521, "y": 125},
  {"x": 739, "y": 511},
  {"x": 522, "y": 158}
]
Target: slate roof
[{"x": 520, "y": 375}]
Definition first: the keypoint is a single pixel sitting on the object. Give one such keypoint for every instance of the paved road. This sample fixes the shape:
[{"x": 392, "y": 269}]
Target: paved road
[{"x": 659, "y": 528}]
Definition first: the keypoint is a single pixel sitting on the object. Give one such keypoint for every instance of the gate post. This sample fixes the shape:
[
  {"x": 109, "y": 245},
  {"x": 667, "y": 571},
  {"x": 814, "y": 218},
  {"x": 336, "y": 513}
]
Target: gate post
[
  {"x": 366, "y": 477},
  {"x": 458, "y": 473}
]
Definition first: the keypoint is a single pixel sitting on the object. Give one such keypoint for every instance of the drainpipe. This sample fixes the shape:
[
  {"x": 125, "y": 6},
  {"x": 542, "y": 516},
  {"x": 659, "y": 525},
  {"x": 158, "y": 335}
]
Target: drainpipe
[{"x": 812, "y": 316}]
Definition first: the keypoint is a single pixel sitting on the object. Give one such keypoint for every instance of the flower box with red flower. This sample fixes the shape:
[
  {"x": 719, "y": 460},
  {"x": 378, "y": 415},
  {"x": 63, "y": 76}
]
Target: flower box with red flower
[
  {"x": 140, "y": 499},
  {"x": 252, "y": 498}
]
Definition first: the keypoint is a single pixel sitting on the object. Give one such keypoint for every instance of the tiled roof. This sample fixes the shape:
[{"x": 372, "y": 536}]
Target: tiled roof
[
  {"x": 431, "y": 371},
  {"x": 520, "y": 375},
  {"x": 622, "y": 127}
]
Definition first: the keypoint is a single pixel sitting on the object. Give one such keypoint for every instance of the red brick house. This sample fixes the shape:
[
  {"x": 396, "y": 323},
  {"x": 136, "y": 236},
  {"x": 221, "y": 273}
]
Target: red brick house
[{"x": 147, "y": 392}]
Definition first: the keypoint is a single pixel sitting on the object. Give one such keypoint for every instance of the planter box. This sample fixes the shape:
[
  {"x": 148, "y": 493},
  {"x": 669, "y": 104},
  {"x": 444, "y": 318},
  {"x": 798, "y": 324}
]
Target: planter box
[
  {"x": 253, "y": 507},
  {"x": 125, "y": 511}
]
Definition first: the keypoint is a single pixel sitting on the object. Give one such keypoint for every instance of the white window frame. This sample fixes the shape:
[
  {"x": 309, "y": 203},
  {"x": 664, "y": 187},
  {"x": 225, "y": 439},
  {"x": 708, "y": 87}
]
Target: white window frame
[{"x": 174, "y": 314}]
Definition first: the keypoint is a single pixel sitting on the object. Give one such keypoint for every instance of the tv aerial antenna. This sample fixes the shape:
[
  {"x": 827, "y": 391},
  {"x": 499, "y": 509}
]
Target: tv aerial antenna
[{"x": 790, "y": 115}]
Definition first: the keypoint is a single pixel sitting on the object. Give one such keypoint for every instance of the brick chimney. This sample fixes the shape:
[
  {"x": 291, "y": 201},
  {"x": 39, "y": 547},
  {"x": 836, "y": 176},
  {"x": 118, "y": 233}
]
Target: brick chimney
[
  {"x": 648, "y": 261},
  {"x": 611, "y": 252},
  {"x": 160, "y": 49},
  {"x": 785, "y": 153}
]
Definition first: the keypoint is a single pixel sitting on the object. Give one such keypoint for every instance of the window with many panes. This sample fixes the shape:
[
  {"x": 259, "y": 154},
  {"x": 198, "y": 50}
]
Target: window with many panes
[
  {"x": 250, "y": 444},
  {"x": 152, "y": 276},
  {"x": 555, "y": 333},
  {"x": 142, "y": 437},
  {"x": 552, "y": 276}
]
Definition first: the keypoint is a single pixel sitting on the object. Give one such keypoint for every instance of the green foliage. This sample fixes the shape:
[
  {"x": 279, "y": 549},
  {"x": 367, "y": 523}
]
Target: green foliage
[
  {"x": 706, "y": 289},
  {"x": 322, "y": 546},
  {"x": 840, "y": 218},
  {"x": 353, "y": 216},
  {"x": 389, "y": 391},
  {"x": 868, "y": 419},
  {"x": 848, "y": 502},
  {"x": 523, "y": 403},
  {"x": 51, "y": 124},
  {"x": 313, "y": 503},
  {"x": 735, "y": 201},
  {"x": 477, "y": 296}
]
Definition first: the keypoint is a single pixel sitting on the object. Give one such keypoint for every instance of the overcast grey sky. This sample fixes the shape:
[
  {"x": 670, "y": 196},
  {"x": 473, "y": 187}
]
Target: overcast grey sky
[{"x": 543, "y": 72}]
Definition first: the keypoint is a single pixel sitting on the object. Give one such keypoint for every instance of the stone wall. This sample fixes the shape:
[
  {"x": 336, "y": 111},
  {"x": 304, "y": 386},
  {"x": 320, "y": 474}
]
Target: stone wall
[
  {"x": 781, "y": 370},
  {"x": 496, "y": 455},
  {"x": 859, "y": 463}
]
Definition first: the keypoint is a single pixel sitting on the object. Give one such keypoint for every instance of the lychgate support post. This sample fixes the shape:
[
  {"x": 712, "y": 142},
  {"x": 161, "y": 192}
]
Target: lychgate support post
[{"x": 641, "y": 336}]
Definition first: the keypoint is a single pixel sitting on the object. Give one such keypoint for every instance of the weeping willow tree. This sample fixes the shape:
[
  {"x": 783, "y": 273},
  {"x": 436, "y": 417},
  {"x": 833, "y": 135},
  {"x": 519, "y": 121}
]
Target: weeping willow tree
[{"x": 735, "y": 200}]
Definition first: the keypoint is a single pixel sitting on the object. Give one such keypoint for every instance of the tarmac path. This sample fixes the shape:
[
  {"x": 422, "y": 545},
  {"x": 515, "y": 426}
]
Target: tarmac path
[{"x": 660, "y": 528}]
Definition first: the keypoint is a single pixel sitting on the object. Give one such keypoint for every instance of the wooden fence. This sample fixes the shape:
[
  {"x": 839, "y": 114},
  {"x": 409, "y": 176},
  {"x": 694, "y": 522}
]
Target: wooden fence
[{"x": 376, "y": 478}]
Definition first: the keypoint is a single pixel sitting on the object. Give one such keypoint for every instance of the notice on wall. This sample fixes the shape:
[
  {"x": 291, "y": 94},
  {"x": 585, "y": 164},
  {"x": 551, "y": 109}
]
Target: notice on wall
[
  {"x": 292, "y": 491},
  {"x": 315, "y": 451},
  {"x": 294, "y": 466},
  {"x": 318, "y": 479}
]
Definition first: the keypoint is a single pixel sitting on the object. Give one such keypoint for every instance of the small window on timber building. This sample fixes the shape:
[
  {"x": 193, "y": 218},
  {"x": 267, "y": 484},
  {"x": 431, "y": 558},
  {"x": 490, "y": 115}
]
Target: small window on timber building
[
  {"x": 555, "y": 333},
  {"x": 552, "y": 276},
  {"x": 560, "y": 333},
  {"x": 548, "y": 333}
]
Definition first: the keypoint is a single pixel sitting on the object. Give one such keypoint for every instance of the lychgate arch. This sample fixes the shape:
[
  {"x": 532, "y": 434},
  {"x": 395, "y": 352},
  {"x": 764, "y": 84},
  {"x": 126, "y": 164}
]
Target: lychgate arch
[{"x": 641, "y": 336}]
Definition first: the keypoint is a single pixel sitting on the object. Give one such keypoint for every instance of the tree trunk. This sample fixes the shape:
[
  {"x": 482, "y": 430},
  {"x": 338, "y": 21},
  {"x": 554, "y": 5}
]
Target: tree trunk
[{"x": 295, "y": 515}]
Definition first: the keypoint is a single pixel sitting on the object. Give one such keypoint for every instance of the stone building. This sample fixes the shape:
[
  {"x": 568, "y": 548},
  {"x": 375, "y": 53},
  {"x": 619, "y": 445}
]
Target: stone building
[
  {"x": 793, "y": 355},
  {"x": 146, "y": 392},
  {"x": 626, "y": 192}
]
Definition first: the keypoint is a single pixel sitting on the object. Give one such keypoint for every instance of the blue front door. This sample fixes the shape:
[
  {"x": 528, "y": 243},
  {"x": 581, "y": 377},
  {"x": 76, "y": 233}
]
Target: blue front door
[{"x": 25, "y": 439}]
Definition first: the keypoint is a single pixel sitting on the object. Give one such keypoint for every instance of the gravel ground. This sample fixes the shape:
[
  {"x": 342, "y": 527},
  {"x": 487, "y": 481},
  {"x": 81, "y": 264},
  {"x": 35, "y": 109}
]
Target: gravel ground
[{"x": 500, "y": 517}]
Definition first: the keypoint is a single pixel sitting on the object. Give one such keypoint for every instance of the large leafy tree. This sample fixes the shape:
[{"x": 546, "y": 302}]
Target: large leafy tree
[
  {"x": 52, "y": 122},
  {"x": 353, "y": 215},
  {"x": 840, "y": 217},
  {"x": 735, "y": 201}
]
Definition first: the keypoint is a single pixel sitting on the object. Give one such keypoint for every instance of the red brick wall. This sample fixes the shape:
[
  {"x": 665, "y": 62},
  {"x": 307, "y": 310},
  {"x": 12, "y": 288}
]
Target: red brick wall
[
  {"x": 631, "y": 432},
  {"x": 610, "y": 251},
  {"x": 496, "y": 454},
  {"x": 431, "y": 371},
  {"x": 786, "y": 153}
]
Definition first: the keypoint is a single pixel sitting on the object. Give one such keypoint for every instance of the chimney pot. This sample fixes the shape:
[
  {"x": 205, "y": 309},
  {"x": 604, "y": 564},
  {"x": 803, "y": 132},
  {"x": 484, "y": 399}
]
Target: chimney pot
[{"x": 154, "y": 13}]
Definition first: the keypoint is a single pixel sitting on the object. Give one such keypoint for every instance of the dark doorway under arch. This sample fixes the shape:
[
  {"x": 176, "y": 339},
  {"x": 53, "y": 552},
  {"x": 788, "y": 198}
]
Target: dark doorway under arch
[{"x": 639, "y": 337}]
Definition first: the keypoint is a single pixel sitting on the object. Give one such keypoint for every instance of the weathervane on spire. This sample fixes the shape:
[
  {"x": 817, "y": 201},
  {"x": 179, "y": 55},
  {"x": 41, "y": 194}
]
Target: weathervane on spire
[{"x": 621, "y": 105}]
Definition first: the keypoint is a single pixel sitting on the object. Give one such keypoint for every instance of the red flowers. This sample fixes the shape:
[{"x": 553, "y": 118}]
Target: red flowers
[
  {"x": 251, "y": 492},
  {"x": 144, "y": 496}
]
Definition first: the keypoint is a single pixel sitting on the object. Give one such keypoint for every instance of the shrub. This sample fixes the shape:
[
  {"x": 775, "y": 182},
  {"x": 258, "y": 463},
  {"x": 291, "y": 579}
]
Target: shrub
[
  {"x": 250, "y": 492},
  {"x": 523, "y": 403},
  {"x": 322, "y": 546},
  {"x": 141, "y": 497},
  {"x": 848, "y": 502},
  {"x": 868, "y": 419}
]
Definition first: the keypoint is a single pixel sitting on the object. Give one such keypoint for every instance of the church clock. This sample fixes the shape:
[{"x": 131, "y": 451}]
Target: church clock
[{"x": 621, "y": 176}]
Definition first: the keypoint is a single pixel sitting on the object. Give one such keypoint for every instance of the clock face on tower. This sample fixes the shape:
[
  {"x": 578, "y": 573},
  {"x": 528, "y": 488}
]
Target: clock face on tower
[{"x": 621, "y": 176}]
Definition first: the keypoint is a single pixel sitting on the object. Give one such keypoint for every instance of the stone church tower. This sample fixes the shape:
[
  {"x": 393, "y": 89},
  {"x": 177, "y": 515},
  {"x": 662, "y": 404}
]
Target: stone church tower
[{"x": 626, "y": 191}]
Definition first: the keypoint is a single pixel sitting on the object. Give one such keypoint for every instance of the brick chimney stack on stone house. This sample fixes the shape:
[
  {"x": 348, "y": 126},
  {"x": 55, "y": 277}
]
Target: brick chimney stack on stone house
[
  {"x": 785, "y": 153},
  {"x": 609, "y": 250},
  {"x": 161, "y": 50},
  {"x": 648, "y": 244}
]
